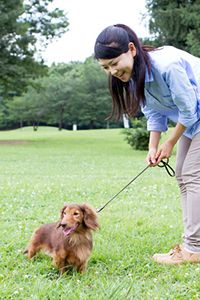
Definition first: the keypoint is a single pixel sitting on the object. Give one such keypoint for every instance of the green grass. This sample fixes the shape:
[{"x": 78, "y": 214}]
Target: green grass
[{"x": 40, "y": 171}]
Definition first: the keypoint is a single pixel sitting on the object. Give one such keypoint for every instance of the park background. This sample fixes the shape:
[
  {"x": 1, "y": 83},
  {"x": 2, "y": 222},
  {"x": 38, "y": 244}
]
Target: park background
[{"x": 44, "y": 163}]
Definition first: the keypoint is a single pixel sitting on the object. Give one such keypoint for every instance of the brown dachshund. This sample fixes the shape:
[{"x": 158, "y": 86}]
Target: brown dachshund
[{"x": 69, "y": 241}]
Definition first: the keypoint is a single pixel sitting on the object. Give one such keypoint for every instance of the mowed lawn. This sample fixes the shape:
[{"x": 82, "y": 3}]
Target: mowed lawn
[{"x": 40, "y": 171}]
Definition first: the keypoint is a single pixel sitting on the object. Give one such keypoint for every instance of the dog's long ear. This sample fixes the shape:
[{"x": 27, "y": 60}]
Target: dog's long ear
[{"x": 90, "y": 217}]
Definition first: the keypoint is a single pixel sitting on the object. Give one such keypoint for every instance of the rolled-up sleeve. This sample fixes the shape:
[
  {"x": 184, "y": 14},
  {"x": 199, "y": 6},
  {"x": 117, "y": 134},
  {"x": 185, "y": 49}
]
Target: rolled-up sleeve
[
  {"x": 183, "y": 93},
  {"x": 155, "y": 120}
]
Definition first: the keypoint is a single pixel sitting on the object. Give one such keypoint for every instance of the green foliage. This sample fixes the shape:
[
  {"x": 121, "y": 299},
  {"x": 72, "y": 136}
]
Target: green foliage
[
  {"x": 26, "y": 27},
  {"x": 74, "y": 93},
  {"x": 175, "y": 23},
  {"x": 95, "y": 97},
  {"x": 137, "y": 136}
]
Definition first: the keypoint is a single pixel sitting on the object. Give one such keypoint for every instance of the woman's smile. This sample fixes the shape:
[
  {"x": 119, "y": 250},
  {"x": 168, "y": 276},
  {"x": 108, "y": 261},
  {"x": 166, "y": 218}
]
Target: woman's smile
[{"x": 120, "y": 67}]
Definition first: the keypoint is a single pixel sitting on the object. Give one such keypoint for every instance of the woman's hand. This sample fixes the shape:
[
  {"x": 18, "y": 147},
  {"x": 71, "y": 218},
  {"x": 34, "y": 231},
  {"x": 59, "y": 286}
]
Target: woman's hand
[
  {"x": 151, "y": 157},
  {"x": 154, "y": 156},
  {"x": 164, "y": 151}
]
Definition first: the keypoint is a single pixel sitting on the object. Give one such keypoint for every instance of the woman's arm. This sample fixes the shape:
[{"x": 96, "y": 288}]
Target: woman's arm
[
  {"x": 165, "y": 149},
  {"x": 153, "y": 147},
  {"x": 155, "y": 155}
]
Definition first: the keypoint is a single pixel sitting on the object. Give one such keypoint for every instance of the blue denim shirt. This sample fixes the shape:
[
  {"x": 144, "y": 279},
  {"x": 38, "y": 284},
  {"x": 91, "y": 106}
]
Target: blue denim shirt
[{"x": 172, "y": 90}]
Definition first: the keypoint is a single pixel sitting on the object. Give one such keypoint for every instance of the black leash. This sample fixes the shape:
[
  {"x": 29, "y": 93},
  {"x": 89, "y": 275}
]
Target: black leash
[{"x": 162, "y": 164}]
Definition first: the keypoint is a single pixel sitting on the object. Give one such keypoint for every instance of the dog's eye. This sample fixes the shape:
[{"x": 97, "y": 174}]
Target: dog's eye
[
  {"x": 76, "y": 213},
  {"x": 64, "y": 213}
]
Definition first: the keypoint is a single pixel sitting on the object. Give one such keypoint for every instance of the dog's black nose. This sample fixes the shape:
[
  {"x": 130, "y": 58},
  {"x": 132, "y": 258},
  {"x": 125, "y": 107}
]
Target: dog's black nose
[{"x": 61, "y": 225}]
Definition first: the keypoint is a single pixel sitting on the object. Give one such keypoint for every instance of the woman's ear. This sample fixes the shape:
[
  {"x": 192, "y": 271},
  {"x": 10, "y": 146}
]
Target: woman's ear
[{"x": 132, "y": 48}]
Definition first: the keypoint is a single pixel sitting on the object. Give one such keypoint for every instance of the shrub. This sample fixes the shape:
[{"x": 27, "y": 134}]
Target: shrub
[{"x": 137, "y": 136}]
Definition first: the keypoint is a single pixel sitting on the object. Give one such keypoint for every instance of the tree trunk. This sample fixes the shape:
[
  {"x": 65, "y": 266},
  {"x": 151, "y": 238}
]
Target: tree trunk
[{"x": 61, "y": 118}]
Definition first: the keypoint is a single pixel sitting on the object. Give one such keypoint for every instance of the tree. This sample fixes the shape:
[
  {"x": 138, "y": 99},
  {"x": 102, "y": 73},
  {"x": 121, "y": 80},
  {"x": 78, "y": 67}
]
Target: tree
[
  {"x": 84, "y": 94},
  {"x": 58, "y": 92},
  {"x": 74, "y": 93},
  {"x": 175, "y": 22},
  {"x": 26, "y": 27},
  {"x": 96, "y": 100},
  {"x": 27, "y": 108}
]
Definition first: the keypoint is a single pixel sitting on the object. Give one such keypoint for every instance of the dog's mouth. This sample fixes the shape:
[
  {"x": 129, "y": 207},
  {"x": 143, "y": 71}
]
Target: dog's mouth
[{"x": 68, "y": 230}]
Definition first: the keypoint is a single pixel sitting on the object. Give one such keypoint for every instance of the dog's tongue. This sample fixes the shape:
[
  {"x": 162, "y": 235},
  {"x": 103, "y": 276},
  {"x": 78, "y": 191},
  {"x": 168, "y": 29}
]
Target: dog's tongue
[{"x": 67, "y": 231}]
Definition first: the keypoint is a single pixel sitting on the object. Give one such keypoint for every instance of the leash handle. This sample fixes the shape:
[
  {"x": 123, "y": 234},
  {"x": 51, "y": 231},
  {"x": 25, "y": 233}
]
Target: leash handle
[
  {"x": 162, "y": 164},
  {"x": 168, "y": 168}
]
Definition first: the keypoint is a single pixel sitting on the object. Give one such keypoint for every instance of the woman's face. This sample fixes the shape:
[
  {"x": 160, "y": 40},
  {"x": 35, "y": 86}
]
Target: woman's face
[{"x": 120, "y": 66}]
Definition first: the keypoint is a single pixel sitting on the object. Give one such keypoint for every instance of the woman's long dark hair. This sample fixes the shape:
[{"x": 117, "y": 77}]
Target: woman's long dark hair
[{"x": 126, "y": 96}]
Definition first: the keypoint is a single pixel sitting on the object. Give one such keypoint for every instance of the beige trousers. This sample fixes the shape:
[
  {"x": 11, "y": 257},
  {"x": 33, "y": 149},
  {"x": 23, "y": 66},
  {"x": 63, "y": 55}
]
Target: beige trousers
[{"x": 188, "y": 177}]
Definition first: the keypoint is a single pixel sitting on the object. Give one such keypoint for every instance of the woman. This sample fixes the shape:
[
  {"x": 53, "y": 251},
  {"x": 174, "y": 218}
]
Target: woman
[{"x": 165, "y": 84}]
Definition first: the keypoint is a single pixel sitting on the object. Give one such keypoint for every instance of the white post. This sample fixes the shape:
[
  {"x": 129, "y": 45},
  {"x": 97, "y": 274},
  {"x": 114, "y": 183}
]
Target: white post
[
  {"x": 126, "y": 121},
  {"x": 74, "y": 127}
]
